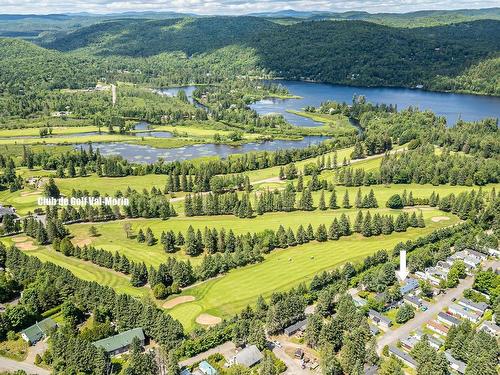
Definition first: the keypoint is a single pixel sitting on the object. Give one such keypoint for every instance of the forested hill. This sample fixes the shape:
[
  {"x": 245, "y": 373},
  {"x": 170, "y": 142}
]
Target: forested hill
[{"x": 352, "y": 52}]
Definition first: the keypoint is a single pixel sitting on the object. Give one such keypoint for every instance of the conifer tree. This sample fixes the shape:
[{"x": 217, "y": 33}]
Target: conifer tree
[
  {"x": 358, "y": 203},
  {"x": 332, "y": 203},
  {"x": 322, "y": 204},
  {"x": 301, "y": 235},
  {"x": 310, "y": 233},
  {"x": 344, "y": 225},
  {"x": 358, "y": 223},
  {"x": 140, "y": 236},
  {"x": 191, "y": 242},
  {"x": 366, "y": 229},
  {"x": 321, "y": 234},
  {"x": 334, "y": 230},
  {"x": 345, "y": 202}
]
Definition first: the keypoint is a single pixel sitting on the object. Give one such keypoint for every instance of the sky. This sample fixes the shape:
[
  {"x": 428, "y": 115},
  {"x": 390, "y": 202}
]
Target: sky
[{"x": 233, "y": 6}]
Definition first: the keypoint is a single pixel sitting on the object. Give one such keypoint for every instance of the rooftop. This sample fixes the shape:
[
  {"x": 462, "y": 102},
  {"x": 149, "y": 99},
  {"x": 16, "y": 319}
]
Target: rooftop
[
  {"x": 207, "y": 368},
  {"x": 39, "y": 329},
  {"x": 379, "y": 316},
  {"x": 403, "y": 355},
  {"x": 414, "y": 300},
  {"x": 438, "y": 326},
  {"x": 249, "y": 356},
  {"x": 460, "y": 310},
  {"x": 455, "y": 363},
  {"x": 120, "y": 340},
  {"x": 410, "y": 285},
  {"x": 295, "y": 327},
  {"x": 475, "y": 305},
  {"x": 490, "y": 327},
  {"x": 449, "y": 318}
]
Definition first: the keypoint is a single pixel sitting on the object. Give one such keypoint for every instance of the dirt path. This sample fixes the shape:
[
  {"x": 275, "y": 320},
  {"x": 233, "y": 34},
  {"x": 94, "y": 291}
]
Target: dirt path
[
  {"x": 27, "y": 365},
  {"x": 227, "y": 350}
]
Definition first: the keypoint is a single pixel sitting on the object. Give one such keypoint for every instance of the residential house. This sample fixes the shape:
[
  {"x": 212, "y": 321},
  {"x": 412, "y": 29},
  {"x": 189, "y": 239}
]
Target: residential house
[
  {"x": 455, "y": 364},
  {"x": 403, "y": 356},
  {"x": 379, "y": 319},
  {"x": 38, "y": 331},
  {"x": 248, "y": 357},
  {"x": 476, "y": 254},
  {"x": 413, "y": 301},
  {"x": 435, "y": 342},
  {"x": 494, "y": 252},
  {"x": 374, "y": 330},
  {"x": 294, "y": 328},
  {"x": 371, "y": 370},
  {"x": 410, "y": 285},
  {"x": 460, "y": 311},
  {"x": 438, "y": 328},
  {"x": 409, "y": 342},
  {"x": 472, "y": 262},
  {"x": 185, "y": 372},
  {"x": 121, "y": 342},
  {"x": 7, "y": 211},
  {"x": 358, "y": 301},
  {"x": 490, "y": 327},
  {"x": 448, "y": 319},
  {"x": 478, "y": 307},
  {"x": 206, "y": 368}
]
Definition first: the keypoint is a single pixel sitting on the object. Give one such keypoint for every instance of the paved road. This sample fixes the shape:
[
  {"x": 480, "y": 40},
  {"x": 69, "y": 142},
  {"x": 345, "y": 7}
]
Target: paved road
[
  {"x": 7, "y": 364},
  {"x": 392, "y": 336}
]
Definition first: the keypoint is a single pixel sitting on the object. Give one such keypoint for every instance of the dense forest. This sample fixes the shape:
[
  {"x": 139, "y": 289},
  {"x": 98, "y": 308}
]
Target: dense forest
[{"x": 454, "y": 57}]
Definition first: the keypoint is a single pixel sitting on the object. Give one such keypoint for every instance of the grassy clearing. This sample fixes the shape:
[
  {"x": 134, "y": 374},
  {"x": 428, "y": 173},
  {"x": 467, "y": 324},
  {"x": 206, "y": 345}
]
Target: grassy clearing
[
  {"x": 281, "y": 270},
  {"x": 14, "y": 349},
  {"x": 338, "y": 122}
]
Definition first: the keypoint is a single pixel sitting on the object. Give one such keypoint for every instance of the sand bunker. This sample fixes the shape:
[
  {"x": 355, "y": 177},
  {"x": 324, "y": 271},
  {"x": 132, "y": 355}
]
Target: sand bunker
[
  {"x": 83, "y": 242},
  {"x": 177, "y": 301},
  {"x": 28, "y": 245},
  {"x": 437, "y": 219},
  {"x": 418, "y": 208},
  {"x": 208, "y": 320},
  {"x": 28, "y": 193},
  {"x": 19, "y": 239}
]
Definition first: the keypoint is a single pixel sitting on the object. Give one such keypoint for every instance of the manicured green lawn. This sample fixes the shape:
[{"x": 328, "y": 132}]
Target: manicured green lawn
[
  {"x": 113, "y": 238},
  {"x": 24, "y": 201},
  {"x": 70, "y": 140},
  {"x": 281, "y": 270},
  {"x": 55, "y": 131},
  {"x": 86, "y": 270},
  {"x": 109, "y": 185}
]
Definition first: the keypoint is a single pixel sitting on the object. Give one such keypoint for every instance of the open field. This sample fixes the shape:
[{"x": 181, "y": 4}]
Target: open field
[{"x": 281, "y": 270}]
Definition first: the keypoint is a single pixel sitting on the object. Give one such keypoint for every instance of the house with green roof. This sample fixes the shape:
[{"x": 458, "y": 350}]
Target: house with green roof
[
  {"x": 38, "y": 331},
  {"x": 121, "y": 342}
]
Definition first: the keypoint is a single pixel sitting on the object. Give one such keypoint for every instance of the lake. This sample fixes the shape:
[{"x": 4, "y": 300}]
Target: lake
[
  {"x": 147, "y": 154},
  {"x": 451, "y": 106}
]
